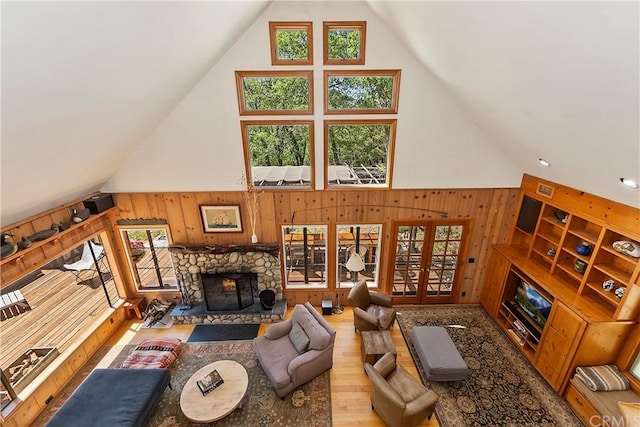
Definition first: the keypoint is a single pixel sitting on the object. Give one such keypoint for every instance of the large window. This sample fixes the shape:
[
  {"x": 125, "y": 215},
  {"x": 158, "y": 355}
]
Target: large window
[
  {"x": 291, "y": 43},
  {"x": 274, "y": 92},
  {"x": 280, "y": 153},
  {"x": 359, "y": 152},
  {"x": 358, "y": 254},
  {"x": 344, "y": 42},
  {"x": 149, "y": 258},
  {"x": 45, "y": 311},
  {"x": 305, "y": 255},
  {"x": 361, "y": 92}
]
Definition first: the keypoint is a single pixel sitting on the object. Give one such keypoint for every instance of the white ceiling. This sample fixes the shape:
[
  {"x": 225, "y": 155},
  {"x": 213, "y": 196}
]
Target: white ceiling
[{"x": 85, "y": 84}]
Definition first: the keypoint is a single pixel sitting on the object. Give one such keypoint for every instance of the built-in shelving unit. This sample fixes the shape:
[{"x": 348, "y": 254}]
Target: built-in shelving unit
[
  {"x": 553, "y": 245},
  {"x": 562, "y": 246}
]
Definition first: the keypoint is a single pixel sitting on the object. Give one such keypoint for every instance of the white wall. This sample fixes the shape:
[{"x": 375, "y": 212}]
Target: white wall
[{"x": 199, "y": 147}]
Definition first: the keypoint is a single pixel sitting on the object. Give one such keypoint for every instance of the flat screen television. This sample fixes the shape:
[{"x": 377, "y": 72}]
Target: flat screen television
[{"x": 533, "y": 303}]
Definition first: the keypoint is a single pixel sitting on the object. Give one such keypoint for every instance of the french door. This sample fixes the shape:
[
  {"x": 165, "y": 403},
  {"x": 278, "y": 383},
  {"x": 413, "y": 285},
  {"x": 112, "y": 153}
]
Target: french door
[{"x": 428, "y": 259}]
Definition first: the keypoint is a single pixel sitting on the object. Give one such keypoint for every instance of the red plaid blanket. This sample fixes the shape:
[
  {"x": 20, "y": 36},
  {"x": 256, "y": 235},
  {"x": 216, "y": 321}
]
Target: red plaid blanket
[{"x": 154, "y": 353}]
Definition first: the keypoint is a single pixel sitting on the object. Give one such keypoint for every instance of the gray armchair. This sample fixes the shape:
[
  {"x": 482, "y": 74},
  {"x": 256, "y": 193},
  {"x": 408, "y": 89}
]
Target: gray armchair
[
  {"x": 372, "y": 311},
  {"x": 399, "y": 398},
  {"x": 296, "y": 350}
]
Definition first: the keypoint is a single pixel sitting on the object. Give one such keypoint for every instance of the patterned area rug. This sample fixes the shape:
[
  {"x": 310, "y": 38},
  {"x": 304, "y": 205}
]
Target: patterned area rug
[
  {"x": 309, "y": 405},
  {"x": 502, "y": 387}
]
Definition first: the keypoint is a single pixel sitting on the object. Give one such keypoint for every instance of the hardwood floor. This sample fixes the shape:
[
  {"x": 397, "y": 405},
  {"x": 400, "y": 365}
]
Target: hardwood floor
[{"x": 349, "y": 383}]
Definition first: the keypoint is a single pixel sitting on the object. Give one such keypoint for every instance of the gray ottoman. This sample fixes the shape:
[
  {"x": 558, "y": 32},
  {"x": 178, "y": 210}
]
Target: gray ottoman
[{"x": 438, "y": 354}]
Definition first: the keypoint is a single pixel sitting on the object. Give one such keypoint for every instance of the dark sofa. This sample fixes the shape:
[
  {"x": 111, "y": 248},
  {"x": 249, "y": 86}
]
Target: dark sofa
[{"x": 113, "y": 397}]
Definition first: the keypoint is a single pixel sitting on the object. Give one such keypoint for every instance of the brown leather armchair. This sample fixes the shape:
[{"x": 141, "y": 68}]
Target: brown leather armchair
[
  {"x": 399, "y": 398},
  {"x": 372, "y": 311}
]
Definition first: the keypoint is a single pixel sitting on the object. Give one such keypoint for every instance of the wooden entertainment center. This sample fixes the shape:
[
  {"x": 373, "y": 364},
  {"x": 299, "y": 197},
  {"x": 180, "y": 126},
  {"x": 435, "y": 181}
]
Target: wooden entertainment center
[{"x": 587, "y": 325}]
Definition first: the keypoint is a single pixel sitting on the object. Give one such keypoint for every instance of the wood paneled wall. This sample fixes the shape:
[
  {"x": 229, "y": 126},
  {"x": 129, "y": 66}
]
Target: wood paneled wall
[{"x": 491, "y": 212}]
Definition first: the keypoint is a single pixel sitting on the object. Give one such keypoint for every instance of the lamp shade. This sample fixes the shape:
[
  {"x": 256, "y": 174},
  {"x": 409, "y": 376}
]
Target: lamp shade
[{"x": 355, "y": 262}]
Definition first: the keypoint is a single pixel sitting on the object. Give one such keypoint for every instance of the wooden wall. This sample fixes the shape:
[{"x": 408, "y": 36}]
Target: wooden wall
[{"x": 491, "y": 212}]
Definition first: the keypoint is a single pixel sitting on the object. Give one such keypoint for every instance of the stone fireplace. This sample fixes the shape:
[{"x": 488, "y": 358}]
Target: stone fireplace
[{"x": 222, "y": 284}]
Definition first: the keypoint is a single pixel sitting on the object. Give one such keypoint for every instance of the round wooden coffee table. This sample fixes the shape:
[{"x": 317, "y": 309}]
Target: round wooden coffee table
[{"x": 220, "y": 402}]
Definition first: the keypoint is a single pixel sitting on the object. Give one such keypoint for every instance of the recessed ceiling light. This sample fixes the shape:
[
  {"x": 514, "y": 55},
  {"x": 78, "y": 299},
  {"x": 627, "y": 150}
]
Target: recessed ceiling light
[
  {"x": 543, "y": 162},
  {"x": 629, "y": 182}
]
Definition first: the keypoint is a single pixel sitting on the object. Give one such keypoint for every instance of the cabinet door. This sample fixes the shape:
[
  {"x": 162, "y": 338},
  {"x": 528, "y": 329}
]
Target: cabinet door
[
  {"x": 559, "y": 341},
  {"x": 493, "y": 286}
]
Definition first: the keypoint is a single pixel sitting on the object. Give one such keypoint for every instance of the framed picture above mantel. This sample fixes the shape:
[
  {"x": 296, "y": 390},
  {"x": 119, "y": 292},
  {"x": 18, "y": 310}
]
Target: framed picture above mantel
[{"x": 221, "y": 218}]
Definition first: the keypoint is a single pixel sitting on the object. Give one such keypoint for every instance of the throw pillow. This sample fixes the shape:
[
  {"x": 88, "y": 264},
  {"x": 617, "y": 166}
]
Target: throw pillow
[
  {"x": 602, "y": 378},
  {"x": 630, "y": 412},
  {"x": 299, "y": 338}
]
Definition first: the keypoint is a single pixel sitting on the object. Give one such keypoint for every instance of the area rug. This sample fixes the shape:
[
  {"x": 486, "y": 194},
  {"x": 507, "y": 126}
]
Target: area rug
[
  {"x": 502, "y": 387},
  {"x": 309, "y": 405},
  {"x": 223, "y": 332}
]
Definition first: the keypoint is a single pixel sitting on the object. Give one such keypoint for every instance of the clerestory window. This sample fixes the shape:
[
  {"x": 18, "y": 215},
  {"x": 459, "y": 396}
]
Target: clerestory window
[
  {"x": 291, "y": 43},
  {"x": 344, "y": 42},
  {"x": 274, "y": 92},
  {"x": 359, "y": 152},
  {"x": 279, "y": 153},
  {"x": 361, "y": 92}
]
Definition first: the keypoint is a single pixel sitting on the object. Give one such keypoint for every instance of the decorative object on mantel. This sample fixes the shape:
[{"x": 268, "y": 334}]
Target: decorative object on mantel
[
  {"x": 620, "y": 291},
  {"x": 270, "y": 248},
  {"x": 79, "y": 215},
  {"x": 63, "y": 225},
  {"x": 8, "y": 247},
  {"x": 44, "y": 234},
  {"x": 627, "y": 247},
  {"x": 252, "y": 200}
]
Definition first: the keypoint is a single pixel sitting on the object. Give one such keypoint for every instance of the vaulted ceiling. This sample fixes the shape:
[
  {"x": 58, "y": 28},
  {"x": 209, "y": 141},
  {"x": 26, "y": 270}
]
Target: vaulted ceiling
[{"x": 112, "y": 95}]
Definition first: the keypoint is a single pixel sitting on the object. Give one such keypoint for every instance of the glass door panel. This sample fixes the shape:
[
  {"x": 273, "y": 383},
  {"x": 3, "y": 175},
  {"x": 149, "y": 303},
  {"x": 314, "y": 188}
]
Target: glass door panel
[
  {"x": 426, "y": 261},
  {"x": 408, "y": 260},
  {"x": 444, "y": 260}
]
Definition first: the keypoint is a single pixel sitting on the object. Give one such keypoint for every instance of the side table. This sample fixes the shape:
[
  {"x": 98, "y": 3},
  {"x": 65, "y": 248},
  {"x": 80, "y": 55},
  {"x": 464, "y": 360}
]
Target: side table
[
  {"x": 134, "y": 308},
  {"x": 376, "y": 344}
]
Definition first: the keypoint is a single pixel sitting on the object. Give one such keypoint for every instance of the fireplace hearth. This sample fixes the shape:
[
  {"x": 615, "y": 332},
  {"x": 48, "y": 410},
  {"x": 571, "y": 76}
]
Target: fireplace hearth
[{"x": 228, "y": 291}]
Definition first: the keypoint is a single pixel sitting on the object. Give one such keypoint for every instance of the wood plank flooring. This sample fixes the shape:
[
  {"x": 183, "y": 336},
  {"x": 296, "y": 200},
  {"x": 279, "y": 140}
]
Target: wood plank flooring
[
  {"x": 349, "y": 383},
  {"x": 60, "y": 309}
]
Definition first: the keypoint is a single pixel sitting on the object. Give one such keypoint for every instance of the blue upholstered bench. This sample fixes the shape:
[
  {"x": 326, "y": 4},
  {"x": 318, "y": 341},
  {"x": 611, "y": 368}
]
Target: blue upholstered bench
[{"x": 113, "y": 397}]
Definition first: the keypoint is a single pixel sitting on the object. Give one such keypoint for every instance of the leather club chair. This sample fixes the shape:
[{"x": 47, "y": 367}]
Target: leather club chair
[
  {"x": 399, "y": 398},
  {"x": 372, "y": 311}
]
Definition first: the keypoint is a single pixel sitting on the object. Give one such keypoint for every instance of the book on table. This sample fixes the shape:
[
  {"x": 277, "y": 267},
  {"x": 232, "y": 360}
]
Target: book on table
[{"x": 210, "y": 382}]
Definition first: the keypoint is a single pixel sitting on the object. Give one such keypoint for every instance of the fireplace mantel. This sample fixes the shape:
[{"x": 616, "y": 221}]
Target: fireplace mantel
[{"x": 270, "y": 248}]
